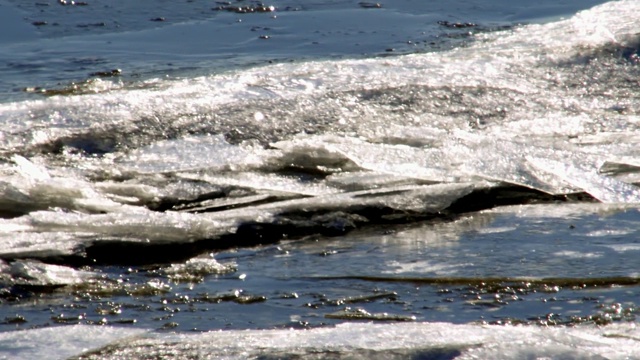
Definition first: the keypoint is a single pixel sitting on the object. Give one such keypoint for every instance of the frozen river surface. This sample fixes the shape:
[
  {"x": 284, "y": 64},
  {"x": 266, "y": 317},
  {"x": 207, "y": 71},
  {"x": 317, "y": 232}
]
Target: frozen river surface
[{"x": 328, "y": 179}]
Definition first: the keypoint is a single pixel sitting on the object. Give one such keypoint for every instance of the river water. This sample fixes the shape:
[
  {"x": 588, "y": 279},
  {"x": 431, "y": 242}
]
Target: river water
[{"x": 334, "y": 179}]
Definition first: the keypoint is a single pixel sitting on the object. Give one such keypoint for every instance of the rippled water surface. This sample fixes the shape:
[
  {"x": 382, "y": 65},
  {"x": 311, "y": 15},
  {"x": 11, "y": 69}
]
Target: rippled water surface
[{"x": 491, "y": 267}]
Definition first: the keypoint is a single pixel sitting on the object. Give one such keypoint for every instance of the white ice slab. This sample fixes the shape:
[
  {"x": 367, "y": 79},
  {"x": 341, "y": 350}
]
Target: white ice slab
[{"x": 349, "y": 340}]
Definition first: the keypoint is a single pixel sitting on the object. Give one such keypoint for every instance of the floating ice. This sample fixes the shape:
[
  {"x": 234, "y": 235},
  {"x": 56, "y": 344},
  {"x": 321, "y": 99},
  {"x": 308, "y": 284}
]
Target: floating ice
[
  {"x": 30, "y": 272},
  {"x": 605, "y": 189},
  {"x": 351, "y": 340},
  {"x": 196, "y": 269}
]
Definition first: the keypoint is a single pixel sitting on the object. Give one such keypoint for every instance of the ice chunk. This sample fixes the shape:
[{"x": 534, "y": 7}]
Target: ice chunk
[
  {"x": 130, "y": 193},
  {"x": 346, "y": 153},
  {"x": 143, "y": 226},
  {"x": 32, "y": 272},
  {"x": 29, "y": 169},
  {"x": 30, "y": 187},
  {"x": 196, "y": 269},
  {"x": 18, "y": 242},
  {"x": 603, "y": 188},
  {"x": 50, "y": 233},
  {"x": 315, "y": 153}
]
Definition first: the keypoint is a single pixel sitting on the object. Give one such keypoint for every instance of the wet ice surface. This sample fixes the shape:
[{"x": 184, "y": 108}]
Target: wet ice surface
[
  {"x": 437, "y": 340},
  {"x": 492, "y": 183},
  {"x": 346, "y": 341}
]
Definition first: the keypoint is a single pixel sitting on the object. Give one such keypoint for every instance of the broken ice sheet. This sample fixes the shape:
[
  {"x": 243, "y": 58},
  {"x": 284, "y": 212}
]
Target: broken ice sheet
[
  {"x": 421, "y": 198},
  {"x": 195, "y": 269},
  {"x": 29, "y": 187},
  {"x": 44, "y": 234},
  {"x": 263, "y": 182},
  {"x": 36, "y": 273},
  {"x": 351, "y": 154},
  {"x": 144, "y": 225},
  {"x": 503, "y": 160},
  {"x": 605, "y": 189},
  {"x": 19, "y": 244}
]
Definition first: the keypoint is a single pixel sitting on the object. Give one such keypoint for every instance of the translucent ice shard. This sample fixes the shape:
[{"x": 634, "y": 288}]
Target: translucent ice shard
[
  {"x": 29, "y": 187},
  {"x": 603, "y": 188},
  {"x": 31, "y": 272}
]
